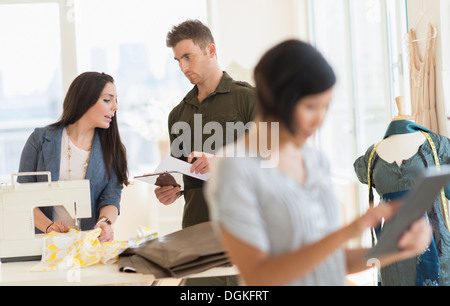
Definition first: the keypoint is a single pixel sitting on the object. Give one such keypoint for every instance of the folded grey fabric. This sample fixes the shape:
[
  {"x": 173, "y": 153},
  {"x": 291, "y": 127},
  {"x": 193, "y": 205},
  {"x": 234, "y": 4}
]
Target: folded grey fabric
[{"x": 191, "y": 250}]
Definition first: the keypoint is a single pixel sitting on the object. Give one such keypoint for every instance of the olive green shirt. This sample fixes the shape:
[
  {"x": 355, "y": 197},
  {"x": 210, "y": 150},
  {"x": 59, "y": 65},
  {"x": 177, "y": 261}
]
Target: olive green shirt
[{"x": 231, "y": 102}]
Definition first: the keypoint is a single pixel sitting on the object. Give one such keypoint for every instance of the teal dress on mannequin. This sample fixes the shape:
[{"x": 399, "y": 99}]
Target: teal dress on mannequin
[{"x": 391, "y": 179}]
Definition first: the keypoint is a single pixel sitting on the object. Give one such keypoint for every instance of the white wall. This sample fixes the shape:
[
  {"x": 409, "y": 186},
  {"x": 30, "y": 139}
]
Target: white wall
[
  {"x": 244, "y": 30},
  {"x": 445, "y": 44}
]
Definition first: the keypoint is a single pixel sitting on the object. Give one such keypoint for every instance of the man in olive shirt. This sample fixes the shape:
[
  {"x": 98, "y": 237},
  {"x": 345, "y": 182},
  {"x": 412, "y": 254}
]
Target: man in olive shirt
[
  {"x": 216, "y": 98},
  {"x": 229, "y": 102}
]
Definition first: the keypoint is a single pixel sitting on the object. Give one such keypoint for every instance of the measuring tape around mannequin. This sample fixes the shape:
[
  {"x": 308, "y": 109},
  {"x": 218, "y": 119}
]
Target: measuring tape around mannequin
[{"x": 437, "y": 163}]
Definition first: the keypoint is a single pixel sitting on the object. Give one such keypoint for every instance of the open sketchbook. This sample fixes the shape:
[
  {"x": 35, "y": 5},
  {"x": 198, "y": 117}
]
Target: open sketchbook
[{"x": 170, "y": 172}]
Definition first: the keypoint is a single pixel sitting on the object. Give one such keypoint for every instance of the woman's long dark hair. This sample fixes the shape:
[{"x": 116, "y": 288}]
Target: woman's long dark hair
[{"x": 83, "y": 93}]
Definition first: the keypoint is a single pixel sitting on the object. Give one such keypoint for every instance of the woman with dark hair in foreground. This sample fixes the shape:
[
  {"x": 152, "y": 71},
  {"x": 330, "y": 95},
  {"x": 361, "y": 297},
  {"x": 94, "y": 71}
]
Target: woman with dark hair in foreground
[{"x": 280, "y": 224}]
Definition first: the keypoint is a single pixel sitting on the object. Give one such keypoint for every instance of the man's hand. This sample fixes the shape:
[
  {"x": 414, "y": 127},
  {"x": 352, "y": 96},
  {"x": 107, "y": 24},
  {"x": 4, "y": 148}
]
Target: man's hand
[
  {"x": 167, "y": 194},
  {"x": 203, "y": 161}
]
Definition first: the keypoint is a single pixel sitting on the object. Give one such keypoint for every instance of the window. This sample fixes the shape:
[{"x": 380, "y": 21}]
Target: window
[
  {"x": 364, "y": 42},
  {"x": 361, "y": 42},
  {"x": 127, "y": 39},
  {"x": 30, "y": 75},
  {"x": 40, "y": 55}
]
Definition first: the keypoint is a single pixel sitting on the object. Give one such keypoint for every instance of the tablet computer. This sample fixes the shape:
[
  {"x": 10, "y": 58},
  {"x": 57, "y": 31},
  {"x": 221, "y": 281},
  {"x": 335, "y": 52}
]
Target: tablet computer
[{"x": 416, "y": 203}]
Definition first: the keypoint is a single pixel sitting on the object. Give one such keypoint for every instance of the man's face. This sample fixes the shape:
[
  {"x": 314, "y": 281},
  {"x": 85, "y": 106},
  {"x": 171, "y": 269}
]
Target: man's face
[{"x": 194, "y": 62}]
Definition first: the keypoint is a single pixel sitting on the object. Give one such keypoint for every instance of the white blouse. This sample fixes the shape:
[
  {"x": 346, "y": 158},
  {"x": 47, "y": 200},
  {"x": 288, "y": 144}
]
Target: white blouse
[
  {"x": 274, "y": 213},
  {"x": 73, "y": 166}
]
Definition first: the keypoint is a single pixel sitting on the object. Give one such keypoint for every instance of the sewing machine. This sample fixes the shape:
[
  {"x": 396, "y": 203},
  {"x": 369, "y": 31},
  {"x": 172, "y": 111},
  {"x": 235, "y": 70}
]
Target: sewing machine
[{"x": 18, "y": 240}]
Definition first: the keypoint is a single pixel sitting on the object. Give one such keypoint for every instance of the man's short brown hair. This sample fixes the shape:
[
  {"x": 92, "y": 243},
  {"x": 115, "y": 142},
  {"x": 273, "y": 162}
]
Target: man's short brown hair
[{"x": 190, "y": 29}]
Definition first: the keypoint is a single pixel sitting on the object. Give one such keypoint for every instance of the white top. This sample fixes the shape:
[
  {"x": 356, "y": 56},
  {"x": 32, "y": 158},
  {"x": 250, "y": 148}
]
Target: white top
[
  {"x": 274, "y": 213},
  {"x": 72, "y": 167}
]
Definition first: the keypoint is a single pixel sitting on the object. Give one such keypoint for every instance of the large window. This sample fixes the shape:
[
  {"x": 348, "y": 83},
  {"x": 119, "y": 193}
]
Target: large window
[
  {"x": 364, "y": 42},
  {"x": 46, "y": 44},
  {"x": 30, "y": 75},
  {"x": 127, "y": 39}
]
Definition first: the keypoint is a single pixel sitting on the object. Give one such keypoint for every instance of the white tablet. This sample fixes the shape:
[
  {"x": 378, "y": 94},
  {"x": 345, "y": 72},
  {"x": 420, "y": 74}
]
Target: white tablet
[{"x": 417, "y": 202}]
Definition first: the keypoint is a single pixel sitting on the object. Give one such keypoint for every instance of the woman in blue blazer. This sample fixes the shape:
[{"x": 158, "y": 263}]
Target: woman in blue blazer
[{"x": 84, "y": 144}]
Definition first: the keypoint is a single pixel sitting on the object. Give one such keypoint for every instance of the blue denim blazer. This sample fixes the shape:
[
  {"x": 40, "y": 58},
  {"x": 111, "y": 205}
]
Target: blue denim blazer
[{"x": 42, "y": 152}]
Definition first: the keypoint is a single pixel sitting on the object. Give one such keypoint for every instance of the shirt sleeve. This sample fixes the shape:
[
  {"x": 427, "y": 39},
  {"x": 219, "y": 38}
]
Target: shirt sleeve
[
  {"x": 28, "y": 159},
  {"x": 360, "y": 165},
  {"x": 233, "y": 201},
  {"x": 251, "y": 106},
  {"x": 111, "y": 195},
  {"x": 444, "y": 156}
]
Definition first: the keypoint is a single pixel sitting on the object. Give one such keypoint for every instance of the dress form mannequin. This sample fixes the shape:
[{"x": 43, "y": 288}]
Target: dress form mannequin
[
  {"x": 391, "y": 167},
  {"x": 399, "y": 147}
]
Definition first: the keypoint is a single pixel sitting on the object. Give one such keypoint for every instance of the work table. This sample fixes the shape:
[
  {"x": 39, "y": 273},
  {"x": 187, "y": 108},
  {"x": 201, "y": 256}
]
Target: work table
[{"x": 19, "y": 274}]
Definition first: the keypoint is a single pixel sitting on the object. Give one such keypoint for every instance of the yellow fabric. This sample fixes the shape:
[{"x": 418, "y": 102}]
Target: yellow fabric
[{"x": 62, "y": 251}]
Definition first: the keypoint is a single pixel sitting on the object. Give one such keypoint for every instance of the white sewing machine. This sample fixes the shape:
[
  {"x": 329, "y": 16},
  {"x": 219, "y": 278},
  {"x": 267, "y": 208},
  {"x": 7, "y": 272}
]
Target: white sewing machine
[{"x": 18, "y": 240}]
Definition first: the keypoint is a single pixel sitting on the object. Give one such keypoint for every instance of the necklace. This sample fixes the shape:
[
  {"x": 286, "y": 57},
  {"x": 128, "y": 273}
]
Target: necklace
[{"x": 69, "y": 155}]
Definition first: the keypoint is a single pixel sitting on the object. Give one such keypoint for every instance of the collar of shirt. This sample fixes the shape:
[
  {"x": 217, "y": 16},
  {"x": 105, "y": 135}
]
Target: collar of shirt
[
  {"x": 404, "y": 127},
  {"x": 223, "y": 87}
]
